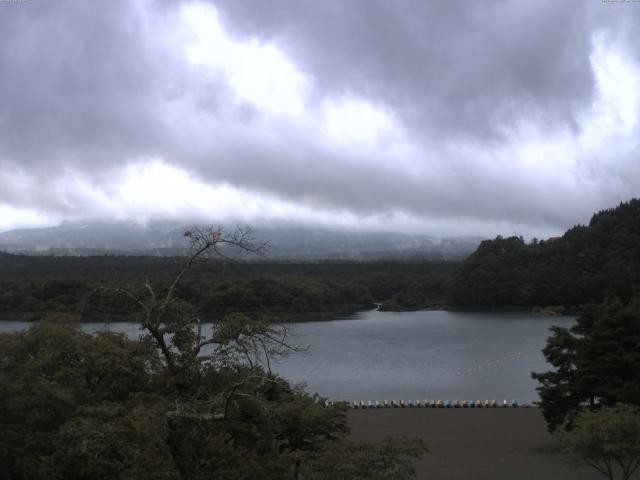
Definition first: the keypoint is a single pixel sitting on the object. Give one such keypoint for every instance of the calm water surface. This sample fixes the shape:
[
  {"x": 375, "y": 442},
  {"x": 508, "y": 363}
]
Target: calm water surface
[{"x": 426, "y": 354}]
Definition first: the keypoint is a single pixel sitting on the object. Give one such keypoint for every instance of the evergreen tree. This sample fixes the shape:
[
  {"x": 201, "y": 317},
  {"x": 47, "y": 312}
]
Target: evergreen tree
[{"x": 597, "y": 362}]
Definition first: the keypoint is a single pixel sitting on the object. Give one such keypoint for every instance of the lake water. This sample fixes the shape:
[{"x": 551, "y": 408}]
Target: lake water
[{"x": 426, "y": 354}]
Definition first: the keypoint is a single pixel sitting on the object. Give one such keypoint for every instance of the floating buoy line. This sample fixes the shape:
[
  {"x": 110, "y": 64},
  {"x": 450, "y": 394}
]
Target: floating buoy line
[
  {"x": 493, "y": 365},
  {"x": 497, "y": 363}
]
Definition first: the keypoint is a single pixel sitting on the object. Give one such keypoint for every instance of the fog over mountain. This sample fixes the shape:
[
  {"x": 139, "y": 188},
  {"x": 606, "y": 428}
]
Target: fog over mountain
[
  {"x": 444, "y": 118},
  {"x": 285, "y": 242}
]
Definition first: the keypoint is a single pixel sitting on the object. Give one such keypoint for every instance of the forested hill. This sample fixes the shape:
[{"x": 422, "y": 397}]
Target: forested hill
[
  {"x": 33, "y": 288},
  {"x": 588, "y": 263}
]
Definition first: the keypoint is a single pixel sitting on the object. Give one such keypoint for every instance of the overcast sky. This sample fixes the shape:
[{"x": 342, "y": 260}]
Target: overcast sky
[{"x": 437, "y": 117}]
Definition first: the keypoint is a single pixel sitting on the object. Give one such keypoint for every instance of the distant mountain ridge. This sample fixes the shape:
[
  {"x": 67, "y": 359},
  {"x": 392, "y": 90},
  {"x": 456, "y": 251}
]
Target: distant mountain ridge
[{"x": 286, "y": 242}]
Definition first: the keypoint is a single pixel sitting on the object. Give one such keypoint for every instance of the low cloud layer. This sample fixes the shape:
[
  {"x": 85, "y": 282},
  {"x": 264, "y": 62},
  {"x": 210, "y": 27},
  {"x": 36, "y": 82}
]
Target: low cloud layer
[{"x": 444, "y": 118}]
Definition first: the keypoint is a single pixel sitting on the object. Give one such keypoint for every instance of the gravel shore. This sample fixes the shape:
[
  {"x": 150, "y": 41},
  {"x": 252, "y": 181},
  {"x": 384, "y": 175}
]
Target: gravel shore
[{"x": 473, "y": 444}]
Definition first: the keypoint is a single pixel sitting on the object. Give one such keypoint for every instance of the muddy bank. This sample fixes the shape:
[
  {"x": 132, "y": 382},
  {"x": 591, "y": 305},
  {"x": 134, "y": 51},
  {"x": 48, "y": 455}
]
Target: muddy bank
[{"x": 474, "y": 444}]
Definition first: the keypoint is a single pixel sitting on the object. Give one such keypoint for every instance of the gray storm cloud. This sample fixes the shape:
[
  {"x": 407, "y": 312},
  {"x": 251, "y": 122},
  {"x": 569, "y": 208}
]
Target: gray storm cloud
[
  {"x": 453, "y": 68},
  {"x": 502, "y": 112}
]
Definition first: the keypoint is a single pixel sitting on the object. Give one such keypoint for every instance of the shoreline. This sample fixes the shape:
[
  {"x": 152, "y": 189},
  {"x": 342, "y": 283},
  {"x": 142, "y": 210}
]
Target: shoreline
[{"x": 29, "y": 317}]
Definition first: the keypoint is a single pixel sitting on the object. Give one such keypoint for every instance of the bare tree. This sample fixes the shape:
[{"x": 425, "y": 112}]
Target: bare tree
[
  {"x": 176, "y": 329},
  {"x": 232, "y": 345}
]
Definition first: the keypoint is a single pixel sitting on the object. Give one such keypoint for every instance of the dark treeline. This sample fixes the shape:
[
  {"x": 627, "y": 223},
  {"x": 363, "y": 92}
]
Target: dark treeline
[
  {"x": 587, "y": 264},
  {"x": 36, "y": 287}
]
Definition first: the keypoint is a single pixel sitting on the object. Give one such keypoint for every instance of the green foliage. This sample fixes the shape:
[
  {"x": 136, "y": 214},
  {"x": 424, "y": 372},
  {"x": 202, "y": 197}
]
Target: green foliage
[
  {"x": 607, "y": 439},
  {"x": 586, "y": 264},
  {"x": 113, "y": 440},
  {"x": 178, "y": 403},
  {"x": 32, "y": 288},
  {"x": 285, "y": 295},
  {"x": 492, "y": 275},
  {"x": 80, "y": 406},
  {"x": 48, "y": 374},
  {"x": 390, "y": 459},
  {"x": 597, "y": 362}
]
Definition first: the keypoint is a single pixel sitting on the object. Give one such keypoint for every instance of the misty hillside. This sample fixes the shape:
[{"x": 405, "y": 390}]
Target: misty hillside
[{"x": 286, "y": 242}]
